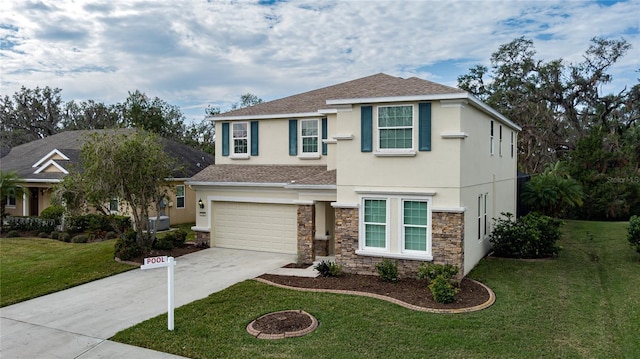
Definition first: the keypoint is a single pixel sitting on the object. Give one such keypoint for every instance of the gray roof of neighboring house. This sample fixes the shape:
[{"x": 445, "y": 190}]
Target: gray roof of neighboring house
[
  {"x": 22, "y": 158},
  {"x": 274, "y": 174},
  {"x": 379, "y": 85}
]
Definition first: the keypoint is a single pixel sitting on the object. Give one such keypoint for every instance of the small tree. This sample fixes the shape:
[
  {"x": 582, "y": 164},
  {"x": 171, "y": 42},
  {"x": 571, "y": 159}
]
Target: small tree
[
  {"x": 9, "y": 187},
  {"x": 132, "y": 167},
  {"x": 634, "y": 232},
  {"x": 553, "y": 192}
]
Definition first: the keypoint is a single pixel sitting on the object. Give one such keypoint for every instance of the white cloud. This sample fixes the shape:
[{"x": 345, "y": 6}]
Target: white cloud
[{"x": 194, "y": 53}]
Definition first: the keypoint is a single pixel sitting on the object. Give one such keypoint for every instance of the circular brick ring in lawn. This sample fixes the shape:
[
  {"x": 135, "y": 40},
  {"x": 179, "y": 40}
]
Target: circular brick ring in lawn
[{"x": 283, "y": 324}]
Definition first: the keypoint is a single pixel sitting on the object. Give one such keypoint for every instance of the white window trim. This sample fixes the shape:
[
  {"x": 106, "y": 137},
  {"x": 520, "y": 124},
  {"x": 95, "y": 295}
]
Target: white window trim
[
  {"x": 492, "y": 141},
  {"x": 428, "y": 251},
  {"x": 9, "y": 205},
  {"x": 381, "y": 152},
  {"x": 479, "y": 218},
  {"x": 184, "y": 196},
  {"x": 233, "y": 154},
  {"x": 309, "y": 155},
  {"x": 500, "y": 142},
  {"x": 117, "y": 205},
  {"x": 485, "y": 217},
  {"x": 362, "y": 240},
  {"x": 398, "y": 252},
  {"x": 512, "y": 144}
]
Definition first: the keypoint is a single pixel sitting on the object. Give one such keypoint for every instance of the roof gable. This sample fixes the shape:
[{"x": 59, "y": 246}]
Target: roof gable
[{"x": 55, "y": 154}]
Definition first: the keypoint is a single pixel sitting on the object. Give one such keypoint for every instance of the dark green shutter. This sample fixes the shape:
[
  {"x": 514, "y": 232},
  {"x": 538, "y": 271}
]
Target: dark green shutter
[
  {"x": 366, "y": 128},
  {"x": 424, "y": 126},
  {"x": 324, "y": 136},
  {"x": 293, "y": 137},
  {"x": 225, "y": 138},
  {"x": 254, "y": 138}
]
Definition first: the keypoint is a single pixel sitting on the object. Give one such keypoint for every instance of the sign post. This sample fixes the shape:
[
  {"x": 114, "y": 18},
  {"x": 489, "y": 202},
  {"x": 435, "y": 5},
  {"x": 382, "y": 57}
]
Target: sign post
[{"x": 170, "y": 263}]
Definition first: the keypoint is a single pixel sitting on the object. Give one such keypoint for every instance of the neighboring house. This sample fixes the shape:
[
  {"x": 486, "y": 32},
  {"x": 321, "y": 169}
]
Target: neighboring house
[
  {"x": 43, "y": 163},
  {"x": 374, "y": 168}
]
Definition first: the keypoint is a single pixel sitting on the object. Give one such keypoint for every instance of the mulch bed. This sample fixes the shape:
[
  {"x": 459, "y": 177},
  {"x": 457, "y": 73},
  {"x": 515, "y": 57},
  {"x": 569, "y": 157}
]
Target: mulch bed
[
  {"x": 411, "y": 291},
  {"x": 175, "y": 252}
]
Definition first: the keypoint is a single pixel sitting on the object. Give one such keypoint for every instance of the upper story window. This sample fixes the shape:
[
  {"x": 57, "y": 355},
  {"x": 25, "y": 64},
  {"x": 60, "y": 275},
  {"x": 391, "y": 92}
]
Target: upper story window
[
  {"x": 309, "y": 136},
  {"x": 240, "y": 136},
  {"x": 512, "y": 144},
  {"x": 491, "y": 142},
  {"x": 395, "y": 127},
  {"x": 180, "y": 196}
]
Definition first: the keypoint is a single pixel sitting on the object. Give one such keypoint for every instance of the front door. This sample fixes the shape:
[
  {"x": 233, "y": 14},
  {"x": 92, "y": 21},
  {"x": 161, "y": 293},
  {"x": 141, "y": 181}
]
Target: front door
[{"x": 33, "y": 201}]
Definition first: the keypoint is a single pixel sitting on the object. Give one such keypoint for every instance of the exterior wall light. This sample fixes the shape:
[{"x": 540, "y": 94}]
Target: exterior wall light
[{"x": 200, "y": 203}]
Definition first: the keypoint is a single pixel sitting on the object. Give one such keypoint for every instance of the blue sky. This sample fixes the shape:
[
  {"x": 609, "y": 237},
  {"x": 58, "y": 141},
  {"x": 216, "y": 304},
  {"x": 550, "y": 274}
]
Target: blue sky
[{"x": 198, "y": 53}]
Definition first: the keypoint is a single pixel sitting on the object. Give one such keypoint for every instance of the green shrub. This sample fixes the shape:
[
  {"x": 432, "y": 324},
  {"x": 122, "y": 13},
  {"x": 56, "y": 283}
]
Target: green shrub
[
  {"x": 31, "y": 224},
  {"x": 43, "y": 235},
  {"x": 442, "y": 290},
  {"x": 55, "y": 235},
  {"x": 126, "y": 247},
  {"x": 97, "y": 222},
  {"x": 387, "y": 270},
  {"x": 54, "y": 212},
  {"x": 13, "y": 234},
  {"x": 328, "y": 269},
  {"x": 163, "y": 243},
  {"x": 80, "y": 238},
  {"x": 111, "y": 235},
  {"x": 634, "y": 232},
  {"x": 180, "y": 237},
  {"x": 531, "y": 236},
  {"x": 65, "y": 237},
  {"x": 430, "y": 271}
]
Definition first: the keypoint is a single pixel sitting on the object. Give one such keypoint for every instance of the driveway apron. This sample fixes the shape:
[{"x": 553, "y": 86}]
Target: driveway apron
[{"x": 76, "y": 323}]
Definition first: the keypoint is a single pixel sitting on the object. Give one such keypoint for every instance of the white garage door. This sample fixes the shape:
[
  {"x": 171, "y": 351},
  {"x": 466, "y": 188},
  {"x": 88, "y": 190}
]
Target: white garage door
[{"x": 255, "y": 226}]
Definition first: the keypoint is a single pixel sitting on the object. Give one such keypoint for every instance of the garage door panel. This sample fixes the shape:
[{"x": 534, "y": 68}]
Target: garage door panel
[{"x": 255, "y": 226}]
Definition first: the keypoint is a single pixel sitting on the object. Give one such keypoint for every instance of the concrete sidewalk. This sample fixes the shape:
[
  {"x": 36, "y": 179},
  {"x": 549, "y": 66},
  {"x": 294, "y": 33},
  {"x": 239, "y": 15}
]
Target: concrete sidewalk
[{"x": 76, "y": 323}]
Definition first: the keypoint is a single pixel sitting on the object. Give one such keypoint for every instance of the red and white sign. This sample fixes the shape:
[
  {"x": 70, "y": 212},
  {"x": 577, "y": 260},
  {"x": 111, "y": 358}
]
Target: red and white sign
[{"x": 155, "y": 262}]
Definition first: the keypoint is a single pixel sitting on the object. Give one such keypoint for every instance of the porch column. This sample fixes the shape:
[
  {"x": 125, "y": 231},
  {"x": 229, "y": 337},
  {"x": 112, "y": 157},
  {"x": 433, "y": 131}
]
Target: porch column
[{"x": 306, "y": 233}]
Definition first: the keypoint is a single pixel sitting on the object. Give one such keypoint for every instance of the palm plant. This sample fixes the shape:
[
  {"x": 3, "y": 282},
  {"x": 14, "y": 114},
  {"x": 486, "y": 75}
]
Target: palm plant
[
  {"x": 9, "y": 187},
  {"x": 552, "y": 192}
]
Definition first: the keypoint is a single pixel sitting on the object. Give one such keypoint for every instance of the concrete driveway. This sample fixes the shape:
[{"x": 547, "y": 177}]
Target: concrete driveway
[{"x": 76, "y": 323}]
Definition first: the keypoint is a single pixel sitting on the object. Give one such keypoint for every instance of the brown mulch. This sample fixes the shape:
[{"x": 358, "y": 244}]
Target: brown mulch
[
  {"x": 411, "y": 291},
  {"x": 282, "y": 322}
]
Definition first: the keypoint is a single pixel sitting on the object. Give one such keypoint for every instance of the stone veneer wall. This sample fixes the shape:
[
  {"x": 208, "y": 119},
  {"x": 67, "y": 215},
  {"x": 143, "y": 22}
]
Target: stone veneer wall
[
  {"x": 447, "y": 235},
  {"x": 203, "y": 239},
  {"x": 306, "y": 233}
]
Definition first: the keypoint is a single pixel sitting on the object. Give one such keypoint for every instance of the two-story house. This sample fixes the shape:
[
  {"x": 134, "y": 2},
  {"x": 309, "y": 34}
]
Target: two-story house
[{"x": 374, "y": 168}]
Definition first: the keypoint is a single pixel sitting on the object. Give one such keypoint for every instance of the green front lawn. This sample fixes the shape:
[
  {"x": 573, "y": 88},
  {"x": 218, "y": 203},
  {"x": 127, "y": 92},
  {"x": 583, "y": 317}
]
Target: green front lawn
[
  {"x": 584, "y": 304},
  {"x": 31, "y": 267}
]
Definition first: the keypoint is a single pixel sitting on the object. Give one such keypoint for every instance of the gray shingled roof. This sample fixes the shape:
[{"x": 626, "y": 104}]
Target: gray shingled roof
[
  {"x": 276, "y": 174},
  {"x": 379, "y": 85},
  {"x": 22, "y": 158}
]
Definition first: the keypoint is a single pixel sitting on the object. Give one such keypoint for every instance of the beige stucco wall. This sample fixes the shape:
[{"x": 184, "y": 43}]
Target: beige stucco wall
[
  {"x": 484, "y": 173},
  {"x": 273, "y": 144},
  {"x": 426, "y": 171}
]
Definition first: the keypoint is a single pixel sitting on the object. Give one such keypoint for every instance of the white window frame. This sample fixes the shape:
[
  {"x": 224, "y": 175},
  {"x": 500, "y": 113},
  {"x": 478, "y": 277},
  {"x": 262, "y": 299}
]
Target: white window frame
[
  {"x": 316, "y": 153},
  {"x": 184, "y": 196},
  {"x": 479, "y": 227},
  {"x": 383, "y": 151},
  {"x": 8, "y": 203},
  {"x": 512, "y": 143},
  {"x": 500, "y": 142},
  {"x": 485, "y": 217},
  {"x": 362, "y": 228},
  {"x": 235, "y": 154},
  {"x": 115, "y": 200},
  {"x": 427, "y": 251},
  {"x": 492, "y": 140},
  {"x": 395, "y": 250}
]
